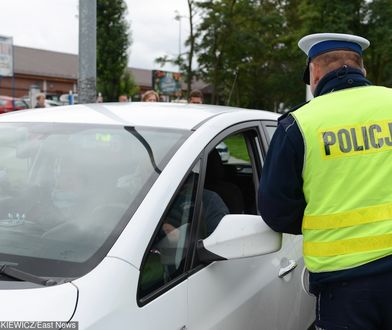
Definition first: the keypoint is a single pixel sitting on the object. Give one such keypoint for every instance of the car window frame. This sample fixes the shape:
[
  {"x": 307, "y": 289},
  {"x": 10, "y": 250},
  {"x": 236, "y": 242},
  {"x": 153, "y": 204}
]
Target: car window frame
[
  {"x": 142, "y": 301},
  {"x": 254, "y": 125},
  {"x": 264, "y": 125},
  {"x": 191, "y": 263}
]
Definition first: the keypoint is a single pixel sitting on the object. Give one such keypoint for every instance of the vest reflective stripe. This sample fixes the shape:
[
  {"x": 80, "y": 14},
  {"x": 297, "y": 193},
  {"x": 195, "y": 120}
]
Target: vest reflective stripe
[
  {"x": 340, "y": 262},
  {"x": 347, "y": 219},
  {"x": 354, "y": 245},
  {"x": 352, "y": 232},
  {"x": 347, "y": 185}
]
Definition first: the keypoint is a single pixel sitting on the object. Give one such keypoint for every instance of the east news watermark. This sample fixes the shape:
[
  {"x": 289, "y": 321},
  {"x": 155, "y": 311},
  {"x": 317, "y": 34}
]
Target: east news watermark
[{"x": 48, "y": 325}]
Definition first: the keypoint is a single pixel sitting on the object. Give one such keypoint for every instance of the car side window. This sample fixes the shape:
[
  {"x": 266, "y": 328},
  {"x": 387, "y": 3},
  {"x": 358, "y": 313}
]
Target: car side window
[
  {"x": 230, "y": 180},
  {"x": 165, "y": 259}
]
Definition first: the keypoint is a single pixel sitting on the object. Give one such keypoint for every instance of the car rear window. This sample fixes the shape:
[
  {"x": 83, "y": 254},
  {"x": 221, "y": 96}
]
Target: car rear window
[{"x": 20, "y": 104}]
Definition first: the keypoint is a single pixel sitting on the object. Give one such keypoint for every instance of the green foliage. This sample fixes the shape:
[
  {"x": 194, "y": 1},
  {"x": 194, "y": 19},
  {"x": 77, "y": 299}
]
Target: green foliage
[
  {"x": 243, "y": 52},
  {"x": 247, "y": 49},
  {"x": 127, "y": 85},
  {"x": 378, "y": 29},
  {"x": 340, "y": 16},
  {"x": 237, "y": 147},
  {"x": 113, "y": 41}
]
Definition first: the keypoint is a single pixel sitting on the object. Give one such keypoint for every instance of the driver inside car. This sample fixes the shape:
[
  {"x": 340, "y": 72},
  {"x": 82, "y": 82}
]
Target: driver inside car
[
  {"x": 212, "y": 211},
  {"x": 167, "y": 254}
]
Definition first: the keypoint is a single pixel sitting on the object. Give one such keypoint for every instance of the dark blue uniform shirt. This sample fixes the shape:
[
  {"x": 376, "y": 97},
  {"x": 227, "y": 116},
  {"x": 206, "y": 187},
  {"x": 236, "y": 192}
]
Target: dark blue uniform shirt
[{"x": 281, "y": 199}]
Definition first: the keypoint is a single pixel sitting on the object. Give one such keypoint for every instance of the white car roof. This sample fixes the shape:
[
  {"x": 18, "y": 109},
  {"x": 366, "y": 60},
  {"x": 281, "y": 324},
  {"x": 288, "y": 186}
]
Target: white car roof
[{"x": 153, "y": 114}]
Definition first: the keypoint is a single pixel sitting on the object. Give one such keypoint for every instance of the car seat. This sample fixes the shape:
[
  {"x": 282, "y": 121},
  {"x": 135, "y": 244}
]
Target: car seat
[{"x": 216, "y": 181}]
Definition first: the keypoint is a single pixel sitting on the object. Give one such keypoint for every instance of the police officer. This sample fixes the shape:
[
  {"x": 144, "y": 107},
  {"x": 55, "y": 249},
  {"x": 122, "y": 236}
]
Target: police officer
[{"x": 327, "y": 176}]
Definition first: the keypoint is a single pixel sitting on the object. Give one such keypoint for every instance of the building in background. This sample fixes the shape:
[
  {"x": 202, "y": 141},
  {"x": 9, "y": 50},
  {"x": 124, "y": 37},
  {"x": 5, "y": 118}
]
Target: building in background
[{"x": 55, "y": 74}]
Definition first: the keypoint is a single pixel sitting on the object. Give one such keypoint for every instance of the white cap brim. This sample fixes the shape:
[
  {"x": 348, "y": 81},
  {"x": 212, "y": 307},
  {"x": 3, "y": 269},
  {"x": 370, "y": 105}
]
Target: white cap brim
[{"x": 307, "y": 42}]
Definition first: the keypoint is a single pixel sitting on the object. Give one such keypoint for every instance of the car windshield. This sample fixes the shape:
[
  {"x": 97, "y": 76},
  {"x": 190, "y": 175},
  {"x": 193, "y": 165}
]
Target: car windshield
[{"x": 68, "y": 190}]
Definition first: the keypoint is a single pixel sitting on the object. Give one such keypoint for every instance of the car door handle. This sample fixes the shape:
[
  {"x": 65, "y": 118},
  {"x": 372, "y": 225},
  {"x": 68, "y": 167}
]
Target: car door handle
[{"x": 289, "y": 268}]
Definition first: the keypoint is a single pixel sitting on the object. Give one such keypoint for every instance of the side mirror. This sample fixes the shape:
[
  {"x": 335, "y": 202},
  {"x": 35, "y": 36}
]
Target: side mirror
[{"x": 239, "y": 236}]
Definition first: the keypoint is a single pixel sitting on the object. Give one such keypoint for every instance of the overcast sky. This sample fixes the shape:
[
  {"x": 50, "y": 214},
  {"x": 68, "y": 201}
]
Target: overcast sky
[{"x": 53, "y": 25}]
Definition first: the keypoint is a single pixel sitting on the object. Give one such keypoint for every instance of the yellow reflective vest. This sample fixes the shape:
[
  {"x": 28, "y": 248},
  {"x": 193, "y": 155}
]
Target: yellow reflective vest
[{"x": 347, "y": 178}]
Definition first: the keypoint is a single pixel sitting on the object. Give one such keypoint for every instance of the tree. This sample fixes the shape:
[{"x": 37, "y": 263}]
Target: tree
[
  {"x": 378, "y": 29},
  {"x": 217, "y": 48},
  {"x": 113, "y": 42},
  {"x": 127, "y": 84},
  {"x": 333, "y": 16},
  {"x": 368, "y": 18},
  {"x": 189, "y": 73},
  {"x": 185, "y": 64},
  {"x": 247, "y": 49},
  {"x": 240, "y": 52}
]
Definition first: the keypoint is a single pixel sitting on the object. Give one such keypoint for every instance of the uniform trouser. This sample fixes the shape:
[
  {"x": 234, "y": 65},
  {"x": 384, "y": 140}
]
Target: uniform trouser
[{"x": 363, "y": 303}]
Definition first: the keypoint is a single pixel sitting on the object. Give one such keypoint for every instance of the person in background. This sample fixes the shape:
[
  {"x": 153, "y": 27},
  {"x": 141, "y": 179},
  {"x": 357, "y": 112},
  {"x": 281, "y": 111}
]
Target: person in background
[
  {"x": 99, "y": 98},
  {"x": 150, "y": 96},
  {"x": 326, "y": 176},
  {"x": 195, "y": 97},
  {"x": 40, "y": 101},
  {"x": 123, "y": 98}
]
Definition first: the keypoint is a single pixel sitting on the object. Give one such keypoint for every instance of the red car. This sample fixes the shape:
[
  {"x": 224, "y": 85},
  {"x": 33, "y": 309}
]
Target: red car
[{"x": 8, "y": 104}]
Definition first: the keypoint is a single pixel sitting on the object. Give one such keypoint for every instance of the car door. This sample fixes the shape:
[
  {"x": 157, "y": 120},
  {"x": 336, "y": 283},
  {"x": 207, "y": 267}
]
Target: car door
[
  {"x": 243, "y": 293},
  {"x": 169, "y": 275},
  {"x": 238, "y": 294},
  {"x": 294, "y": 302},
  {"x": 162, "y": 293}
]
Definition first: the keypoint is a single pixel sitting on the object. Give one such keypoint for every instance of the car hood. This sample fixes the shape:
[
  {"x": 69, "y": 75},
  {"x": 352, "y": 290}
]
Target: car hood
[{"x": 22, "y": 302}]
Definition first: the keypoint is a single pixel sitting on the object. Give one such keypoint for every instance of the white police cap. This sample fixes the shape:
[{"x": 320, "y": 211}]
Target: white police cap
[{"x": 316, "y": 44}]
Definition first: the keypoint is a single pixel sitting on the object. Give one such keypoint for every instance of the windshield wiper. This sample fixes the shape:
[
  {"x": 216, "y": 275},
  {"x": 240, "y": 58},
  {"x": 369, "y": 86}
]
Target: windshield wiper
[{"x": 17, "y": 274}]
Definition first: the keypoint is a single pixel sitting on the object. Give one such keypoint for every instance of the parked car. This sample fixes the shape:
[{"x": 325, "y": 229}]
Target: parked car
[
  {"x": 52, "y": 103},
  {"x": 8, "y": 104},
  {"x": 123, "y": 216},
  {"x": 65, "y": 98},
  {"x": 48, "y": 103},
  {"x": 224, "y": 152}
]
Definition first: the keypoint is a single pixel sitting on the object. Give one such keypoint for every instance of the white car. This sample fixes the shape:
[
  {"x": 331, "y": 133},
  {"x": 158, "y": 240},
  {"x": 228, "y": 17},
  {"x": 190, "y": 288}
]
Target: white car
[{"x": 123, "y": 216}]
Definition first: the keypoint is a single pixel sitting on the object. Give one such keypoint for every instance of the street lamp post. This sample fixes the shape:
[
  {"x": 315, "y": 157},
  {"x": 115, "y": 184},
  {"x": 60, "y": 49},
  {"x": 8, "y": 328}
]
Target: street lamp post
[
  {"x": 87, "y": 51},
  {"x": 178, "y": 18}
]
